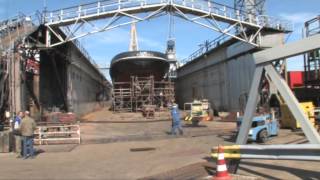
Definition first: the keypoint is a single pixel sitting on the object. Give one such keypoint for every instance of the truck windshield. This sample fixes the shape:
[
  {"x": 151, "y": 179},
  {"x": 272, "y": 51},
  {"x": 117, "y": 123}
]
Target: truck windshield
[{"x": 257, "y": 123}]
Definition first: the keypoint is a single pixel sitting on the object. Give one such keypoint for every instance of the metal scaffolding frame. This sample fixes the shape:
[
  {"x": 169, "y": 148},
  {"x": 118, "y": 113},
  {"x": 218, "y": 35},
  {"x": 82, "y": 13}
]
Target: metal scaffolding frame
[
  {"x": 140, "y": 92},
  {"x": 206, "y": 13}
]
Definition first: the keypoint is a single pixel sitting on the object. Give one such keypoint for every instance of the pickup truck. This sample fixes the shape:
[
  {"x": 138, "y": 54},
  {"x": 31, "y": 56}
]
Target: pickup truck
[{"x": 262, "y": 128}]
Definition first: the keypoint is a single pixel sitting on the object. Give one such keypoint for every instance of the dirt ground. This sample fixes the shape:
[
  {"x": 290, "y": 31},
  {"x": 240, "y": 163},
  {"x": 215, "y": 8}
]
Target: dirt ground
[{"x": 110, "y": 150}]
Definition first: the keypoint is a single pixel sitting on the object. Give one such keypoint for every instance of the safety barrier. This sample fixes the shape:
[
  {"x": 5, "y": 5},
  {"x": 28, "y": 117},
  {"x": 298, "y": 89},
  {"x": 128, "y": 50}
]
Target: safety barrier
[
  {"x": 309, "y": 152},
  {"x": 58, "y": 134}
]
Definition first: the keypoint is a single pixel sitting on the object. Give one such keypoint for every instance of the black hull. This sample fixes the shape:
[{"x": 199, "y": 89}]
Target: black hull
[{"x": 138, "y": 63}]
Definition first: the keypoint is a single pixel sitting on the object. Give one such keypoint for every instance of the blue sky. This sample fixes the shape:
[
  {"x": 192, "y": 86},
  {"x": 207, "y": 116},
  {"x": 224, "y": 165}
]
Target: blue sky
[{"x": 152, "y": 35}]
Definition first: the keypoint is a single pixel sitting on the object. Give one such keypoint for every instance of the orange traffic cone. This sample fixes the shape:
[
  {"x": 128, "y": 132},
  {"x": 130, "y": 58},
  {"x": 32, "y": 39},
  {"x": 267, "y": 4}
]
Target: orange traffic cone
[{"x": 222, "y": 171}]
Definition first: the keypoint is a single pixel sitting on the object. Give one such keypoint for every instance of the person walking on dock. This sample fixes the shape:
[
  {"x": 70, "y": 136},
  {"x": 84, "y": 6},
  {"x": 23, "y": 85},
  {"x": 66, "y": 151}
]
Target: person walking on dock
[
  {"x": 27, "y": 127},
  {"x": 17, "y": 133},
  {"x": 176, "y": 123}
]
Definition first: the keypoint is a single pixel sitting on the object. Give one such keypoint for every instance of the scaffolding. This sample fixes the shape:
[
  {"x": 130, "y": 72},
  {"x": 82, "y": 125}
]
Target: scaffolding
[
  {"x": 140, "y": 92},
  {"x": 12, "y": 39},
  {"x": 312, "y": 59}
]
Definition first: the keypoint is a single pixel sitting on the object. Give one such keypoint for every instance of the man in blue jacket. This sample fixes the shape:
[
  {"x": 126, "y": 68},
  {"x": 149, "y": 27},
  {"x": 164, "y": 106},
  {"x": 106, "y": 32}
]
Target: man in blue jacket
[
  {"x": 176, "y": 123},
  {"x": 16, "y": 127}
]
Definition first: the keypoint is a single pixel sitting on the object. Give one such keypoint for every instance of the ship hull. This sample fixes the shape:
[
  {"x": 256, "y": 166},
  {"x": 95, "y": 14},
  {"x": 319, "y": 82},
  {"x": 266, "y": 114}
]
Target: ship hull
[{"x": 138, "y": 64}]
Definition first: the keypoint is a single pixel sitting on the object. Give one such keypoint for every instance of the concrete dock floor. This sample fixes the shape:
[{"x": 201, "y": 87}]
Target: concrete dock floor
[{"x": 103, "y": 155}]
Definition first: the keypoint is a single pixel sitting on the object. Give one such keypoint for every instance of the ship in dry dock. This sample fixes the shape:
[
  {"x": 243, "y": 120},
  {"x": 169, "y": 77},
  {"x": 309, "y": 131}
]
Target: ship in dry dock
[{"x": 140, "y": 78}]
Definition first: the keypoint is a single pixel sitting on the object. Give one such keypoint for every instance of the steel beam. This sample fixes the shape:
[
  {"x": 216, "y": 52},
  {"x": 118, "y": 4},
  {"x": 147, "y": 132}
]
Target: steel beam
[
  {"x": 288, "y": 50},
  {"x": 250, "y": 107},
  {"x": 293, "y": 104}
]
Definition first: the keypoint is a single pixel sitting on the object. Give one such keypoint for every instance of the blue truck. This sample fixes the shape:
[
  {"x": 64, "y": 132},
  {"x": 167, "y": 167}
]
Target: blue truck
[{"x": 262, "y": 128}]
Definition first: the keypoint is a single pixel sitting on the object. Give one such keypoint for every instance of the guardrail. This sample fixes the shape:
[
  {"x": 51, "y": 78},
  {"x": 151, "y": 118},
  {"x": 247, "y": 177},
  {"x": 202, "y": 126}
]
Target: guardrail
[
  {"x": 312, "y": 26},
  {"x": 274, "y": 23},
  {"x": 19, "y": 20},
  {"x": 262, "y": 20},
  {"x": 309, "y": 152},
  {"x": 57, "y": 134},
  {"x": 105, "y": 6},
  {"x": 207, "y": 46}
]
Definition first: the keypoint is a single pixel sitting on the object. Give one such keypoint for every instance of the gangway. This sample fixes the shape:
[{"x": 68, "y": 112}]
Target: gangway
[{"x": 205, "y": 13}]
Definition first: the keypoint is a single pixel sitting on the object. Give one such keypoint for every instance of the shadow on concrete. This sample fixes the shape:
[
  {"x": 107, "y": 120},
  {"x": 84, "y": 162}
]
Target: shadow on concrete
[
  {"x": 55, "y": 148},
  {"x": 209, "y": 159},
  {"x": 169, "y": 133},
  {"x": 211, "y": 169},
  {"x": 301, "y": 173},
  {"x": 228, "y": 138}
]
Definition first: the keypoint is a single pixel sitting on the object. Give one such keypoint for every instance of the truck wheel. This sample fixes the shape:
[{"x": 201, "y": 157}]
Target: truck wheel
[{"x": 263, "y": 136}]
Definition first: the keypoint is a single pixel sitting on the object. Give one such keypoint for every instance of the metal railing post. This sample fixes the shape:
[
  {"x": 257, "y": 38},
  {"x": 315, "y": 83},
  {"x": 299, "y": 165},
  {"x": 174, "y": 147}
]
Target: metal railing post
[
  {"x": 61, "y": 14},
  {"x": 51, "y": 17},
  {"x": 98, "y": 10},
  {"x": 238, "y": 14},
  {"x": 79, "y": 11}
]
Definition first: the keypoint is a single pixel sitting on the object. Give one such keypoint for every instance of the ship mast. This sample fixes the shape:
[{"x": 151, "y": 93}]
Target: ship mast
[{"x": 133, "y": 46}]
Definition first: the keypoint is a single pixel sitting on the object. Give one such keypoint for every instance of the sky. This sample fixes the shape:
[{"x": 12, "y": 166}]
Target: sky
[{"x": 153, "y": 34}]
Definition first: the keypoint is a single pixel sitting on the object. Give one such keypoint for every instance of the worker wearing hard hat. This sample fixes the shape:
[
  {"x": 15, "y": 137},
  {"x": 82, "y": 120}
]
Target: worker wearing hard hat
[{"x": 176, "y": 123}]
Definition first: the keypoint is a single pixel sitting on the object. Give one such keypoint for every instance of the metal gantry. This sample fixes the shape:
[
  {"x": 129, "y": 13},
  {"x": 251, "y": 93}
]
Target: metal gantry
[
  {"x": 206, "y": 13},
  {"x": 264, "y": 66}
]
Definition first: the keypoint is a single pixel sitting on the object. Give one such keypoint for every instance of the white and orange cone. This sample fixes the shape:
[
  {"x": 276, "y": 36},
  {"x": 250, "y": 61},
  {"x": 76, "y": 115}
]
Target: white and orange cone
[{"x": 222, "y": 171}]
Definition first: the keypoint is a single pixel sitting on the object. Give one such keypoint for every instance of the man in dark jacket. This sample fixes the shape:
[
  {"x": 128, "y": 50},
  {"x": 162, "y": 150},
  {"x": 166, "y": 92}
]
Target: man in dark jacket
[{"x": 27, "y": 128}]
